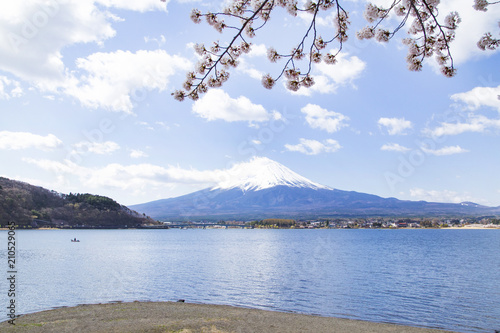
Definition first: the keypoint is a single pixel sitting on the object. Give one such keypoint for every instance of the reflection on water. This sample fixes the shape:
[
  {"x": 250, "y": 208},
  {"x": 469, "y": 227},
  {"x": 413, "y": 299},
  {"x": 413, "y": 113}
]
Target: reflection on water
[{"x": 433, "y": 278}]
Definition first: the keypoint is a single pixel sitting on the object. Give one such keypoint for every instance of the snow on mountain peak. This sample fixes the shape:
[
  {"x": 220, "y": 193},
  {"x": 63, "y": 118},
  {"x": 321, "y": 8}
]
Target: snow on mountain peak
[{"x": 261, "y": 173}]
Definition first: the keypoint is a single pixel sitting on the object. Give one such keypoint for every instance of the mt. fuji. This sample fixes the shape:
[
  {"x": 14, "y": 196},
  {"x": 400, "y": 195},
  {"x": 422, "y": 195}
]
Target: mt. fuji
[
  {"x": 263, "y": 188},
  {"x": 261, "y": 173}
]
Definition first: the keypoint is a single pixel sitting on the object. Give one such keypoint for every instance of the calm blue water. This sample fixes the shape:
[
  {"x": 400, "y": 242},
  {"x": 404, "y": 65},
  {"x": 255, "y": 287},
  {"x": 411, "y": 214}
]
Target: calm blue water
[{"x": 447, "y": 279}]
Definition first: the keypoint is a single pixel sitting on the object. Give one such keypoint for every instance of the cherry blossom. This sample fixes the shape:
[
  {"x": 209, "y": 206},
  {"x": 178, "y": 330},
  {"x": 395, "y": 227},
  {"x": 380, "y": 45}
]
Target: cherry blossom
[
  {"x": 428, "y": 37},
  {"x": 487, "y": 42}
]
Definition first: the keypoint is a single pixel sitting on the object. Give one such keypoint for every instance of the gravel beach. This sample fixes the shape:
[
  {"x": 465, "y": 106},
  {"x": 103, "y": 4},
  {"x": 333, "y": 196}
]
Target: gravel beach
[{"x": 188, "y": 318}]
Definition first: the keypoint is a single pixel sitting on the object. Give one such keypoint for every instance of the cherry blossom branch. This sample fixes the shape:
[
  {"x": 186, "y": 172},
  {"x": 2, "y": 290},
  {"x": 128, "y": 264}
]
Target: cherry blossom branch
[
  {"x": 431, "y": 38},
  {"x": 487, "y": 42},
  {"x": 208, "y": 65}
]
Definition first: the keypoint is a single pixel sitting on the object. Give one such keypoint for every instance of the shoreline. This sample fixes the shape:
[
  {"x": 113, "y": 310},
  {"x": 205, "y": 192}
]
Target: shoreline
[
  {"x": 465, "y": 227},
  {"x": 189, "y": 318},
  {"x": 476, "y": 227}
]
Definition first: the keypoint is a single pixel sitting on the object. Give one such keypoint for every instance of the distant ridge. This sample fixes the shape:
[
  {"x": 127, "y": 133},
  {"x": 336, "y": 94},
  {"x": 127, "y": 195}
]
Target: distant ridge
[{"x": 263, "y": 188}]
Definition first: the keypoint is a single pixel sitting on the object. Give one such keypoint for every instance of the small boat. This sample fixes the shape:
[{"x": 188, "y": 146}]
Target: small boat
[{"x": 75, "y": 240}]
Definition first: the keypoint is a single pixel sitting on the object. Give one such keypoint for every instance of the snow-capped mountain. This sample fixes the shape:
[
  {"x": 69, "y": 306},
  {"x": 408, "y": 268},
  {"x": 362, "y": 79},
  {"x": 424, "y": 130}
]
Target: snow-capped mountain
[
  {"x": 263, "y": 188},
  {"x": 261, "y": 173}
]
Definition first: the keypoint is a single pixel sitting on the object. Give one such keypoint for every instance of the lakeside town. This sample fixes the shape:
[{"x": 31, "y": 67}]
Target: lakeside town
[{"x": 346, "y": 223}]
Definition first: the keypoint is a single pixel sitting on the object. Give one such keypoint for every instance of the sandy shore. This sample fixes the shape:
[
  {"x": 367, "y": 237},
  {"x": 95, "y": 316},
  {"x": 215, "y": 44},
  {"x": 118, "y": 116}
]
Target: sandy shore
[
  {"x": 188, "y": 318},
  {"x": 476, "y": 227}
]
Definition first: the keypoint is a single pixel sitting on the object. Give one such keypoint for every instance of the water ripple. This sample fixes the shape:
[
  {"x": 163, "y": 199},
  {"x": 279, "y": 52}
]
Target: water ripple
[{"x": 429, "y": 278}]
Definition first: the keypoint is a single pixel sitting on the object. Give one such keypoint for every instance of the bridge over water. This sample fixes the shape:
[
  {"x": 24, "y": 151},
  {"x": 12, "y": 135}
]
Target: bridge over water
[{"x": 184, "y": 225}]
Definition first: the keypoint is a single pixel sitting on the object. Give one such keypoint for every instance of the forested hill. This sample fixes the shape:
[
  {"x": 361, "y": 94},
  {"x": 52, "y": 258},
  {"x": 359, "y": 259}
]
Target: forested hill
[{"x": 32, "y": 206}]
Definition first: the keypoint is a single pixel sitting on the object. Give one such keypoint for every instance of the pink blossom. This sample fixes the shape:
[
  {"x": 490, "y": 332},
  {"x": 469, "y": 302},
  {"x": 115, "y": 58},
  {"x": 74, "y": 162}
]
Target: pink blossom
[
  {"x": 320, "y": 43},
  {"x": 200, "y": 49},
  {"x": 297, "y": 54},
  {"x": 292, "y": 74},
  {"x": 481, "y": 5},
  {"x": 179, "y": 95},
  {"x": 448, "y": 71},
  {"x": 195, "y": 16},
  {"x": 316, "y": 57},
  {"x": 308, "y": 81},
  {"x": 293, "y": 85},
  {"x": 268, "y": 82},
  {"x": 329, "y": 59},
  {"x": 488, "y": 42},
  {"x": 365, "y": 33},
  {"x": 245, "y": 47},
  {"x": 382, "y": 35},
  {"x": 273, "y": 55},
  {"x": 452, "y": 20}
]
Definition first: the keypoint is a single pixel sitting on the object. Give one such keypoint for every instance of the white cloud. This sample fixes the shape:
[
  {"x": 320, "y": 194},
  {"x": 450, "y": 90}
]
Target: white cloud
[
  {"x": 218, "y": 105},
  {"x": 58, "y": 167},
  {"x": 457, "y": 128},
  {"x": 477, "y": 124},
  {"x": 257, "y": 50},
  {"x": 25, "y": 140},
  {"x": 322, "y": 85},
  {"x": 448, "y": 150},
  {"x": 32, "y": 35},
  {"x": 159, "y": 41},
  {"x": 474, "y": 24},
  {"x": 9, "y": 88},
  {"x": 344, "y": 71},
  {"x": 314, "y": 147},
  {"x": 146, "y": 125},
  {"x": 320, "y": 118},
  {"x": 139, "y": 6},
  {"x": 163, "y": 125},
  {"x": 328, "y": 78},
  {"x": 324, "y": 21},
  {"x": 394, "y": 147},
  {"x": 116, "y": 80},
  {"x": 136, "y": 153},
  {"x": 440, "y": 196},
  {"x": 479, "y": 97},
  {"x": 395, "y": 126},
  {"x": 135, "y": 177},
  {"x": 101, "y": 148},
  {"x": 246, "y": 68}
]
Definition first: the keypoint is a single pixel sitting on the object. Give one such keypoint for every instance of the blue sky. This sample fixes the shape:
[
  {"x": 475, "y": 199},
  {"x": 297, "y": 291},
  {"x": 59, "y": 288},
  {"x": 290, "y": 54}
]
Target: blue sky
[{"x": 86, "y": 106}]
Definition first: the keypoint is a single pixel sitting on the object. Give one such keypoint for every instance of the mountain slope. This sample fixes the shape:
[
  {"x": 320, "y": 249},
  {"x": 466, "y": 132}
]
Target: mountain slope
[
  {"x": 263, "y": 188},
  {"x": 28, "y": 205},
  {"x": 285, "y": 202}
]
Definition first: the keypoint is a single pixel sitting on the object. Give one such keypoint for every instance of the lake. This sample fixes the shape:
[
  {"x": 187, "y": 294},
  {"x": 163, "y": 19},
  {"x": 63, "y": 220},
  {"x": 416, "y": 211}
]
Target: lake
[{"x": 447, "y": 279}]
